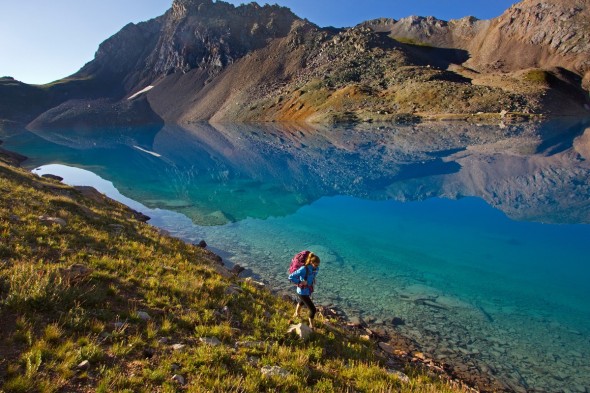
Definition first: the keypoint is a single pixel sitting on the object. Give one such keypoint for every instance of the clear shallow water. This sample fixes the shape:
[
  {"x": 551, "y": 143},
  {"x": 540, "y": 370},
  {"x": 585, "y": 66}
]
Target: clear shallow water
[{"x": 476, "y": 238}]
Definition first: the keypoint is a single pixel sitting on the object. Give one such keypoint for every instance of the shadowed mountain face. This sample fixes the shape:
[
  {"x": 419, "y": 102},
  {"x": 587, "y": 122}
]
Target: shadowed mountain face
[
  {"x": 205, "y": 60},
  {"x": 535, "y": 172}
]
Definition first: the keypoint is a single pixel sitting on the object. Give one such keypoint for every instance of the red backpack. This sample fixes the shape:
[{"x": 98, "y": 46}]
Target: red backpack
[{"x": 297, "y": 262}]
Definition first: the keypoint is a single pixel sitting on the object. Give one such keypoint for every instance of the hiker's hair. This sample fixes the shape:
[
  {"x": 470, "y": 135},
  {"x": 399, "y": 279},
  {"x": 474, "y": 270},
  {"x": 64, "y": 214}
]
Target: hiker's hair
[{"x": 311, "y": 257}]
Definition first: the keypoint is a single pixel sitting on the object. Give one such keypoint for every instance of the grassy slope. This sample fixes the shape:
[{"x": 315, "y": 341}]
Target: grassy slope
[{"x": 53, "y": 318}]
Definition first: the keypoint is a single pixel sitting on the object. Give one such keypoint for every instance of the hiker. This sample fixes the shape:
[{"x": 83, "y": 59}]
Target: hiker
[{"x": 304, "y": 277}]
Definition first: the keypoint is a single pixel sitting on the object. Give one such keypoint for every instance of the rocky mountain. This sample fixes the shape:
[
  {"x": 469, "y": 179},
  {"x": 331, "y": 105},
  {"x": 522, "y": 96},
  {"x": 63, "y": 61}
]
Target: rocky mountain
[{"x": 205, "y": 60}]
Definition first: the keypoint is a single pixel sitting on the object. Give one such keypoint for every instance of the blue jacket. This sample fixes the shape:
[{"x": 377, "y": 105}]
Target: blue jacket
[{"x": 307, "y": 273}]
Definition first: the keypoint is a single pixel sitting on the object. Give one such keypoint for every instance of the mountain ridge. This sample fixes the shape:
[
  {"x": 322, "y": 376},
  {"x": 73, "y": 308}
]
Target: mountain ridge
[{"x": 212, "y": 61}]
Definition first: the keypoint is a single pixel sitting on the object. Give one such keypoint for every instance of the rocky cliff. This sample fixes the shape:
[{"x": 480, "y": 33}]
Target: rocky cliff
[{"x": 205, "y": 60}]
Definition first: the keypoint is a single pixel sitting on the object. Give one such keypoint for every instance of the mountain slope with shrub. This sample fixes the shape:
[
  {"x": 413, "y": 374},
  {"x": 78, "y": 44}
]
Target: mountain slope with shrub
[{"x": 205, "y": 60}]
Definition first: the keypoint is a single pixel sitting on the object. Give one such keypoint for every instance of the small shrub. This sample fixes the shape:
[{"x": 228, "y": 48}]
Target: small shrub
[
  {"x": 19, "y": 384},
  {"x": 52, "y": 333}
]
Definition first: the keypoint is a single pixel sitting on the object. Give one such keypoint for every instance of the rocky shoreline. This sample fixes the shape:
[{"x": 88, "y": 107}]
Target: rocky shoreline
[
  {"x": 398, "y": 349},
  {"x": 440, "y": 339}
]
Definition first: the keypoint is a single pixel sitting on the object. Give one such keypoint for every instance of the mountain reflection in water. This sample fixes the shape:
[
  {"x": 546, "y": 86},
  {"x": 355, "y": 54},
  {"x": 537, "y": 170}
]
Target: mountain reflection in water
[{"x": 217, "y": 174}]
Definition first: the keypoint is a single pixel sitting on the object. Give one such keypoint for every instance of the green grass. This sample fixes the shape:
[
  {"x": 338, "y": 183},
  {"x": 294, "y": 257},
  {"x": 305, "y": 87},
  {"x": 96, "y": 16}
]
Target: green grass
[
  {"x": 412, "y": 41},
  {"x": 539, "y": 77},
  {"x": 52, "y": 320}
]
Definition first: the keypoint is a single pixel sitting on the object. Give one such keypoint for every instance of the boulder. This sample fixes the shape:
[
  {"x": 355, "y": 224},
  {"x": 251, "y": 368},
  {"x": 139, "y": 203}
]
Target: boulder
[
  {"x": 233, "y": 290},
  {"x": 302, "y": 330},
  {"x": 387, "y": 348},
  {"x": 255, "y": 283},
  {"x": 237, "y": 269},
  {"x": 52, "y": 220},
  {"x": 356, "y": 322},
  {"x": 401, "y": 376}
]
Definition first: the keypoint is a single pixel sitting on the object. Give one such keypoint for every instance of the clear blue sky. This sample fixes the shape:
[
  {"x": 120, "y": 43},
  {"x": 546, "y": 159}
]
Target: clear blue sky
[{"x": 42, "y": 40}]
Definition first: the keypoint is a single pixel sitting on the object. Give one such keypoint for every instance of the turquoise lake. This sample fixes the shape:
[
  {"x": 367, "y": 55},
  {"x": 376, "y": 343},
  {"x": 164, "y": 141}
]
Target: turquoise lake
[{"x": 475, "y": 236}]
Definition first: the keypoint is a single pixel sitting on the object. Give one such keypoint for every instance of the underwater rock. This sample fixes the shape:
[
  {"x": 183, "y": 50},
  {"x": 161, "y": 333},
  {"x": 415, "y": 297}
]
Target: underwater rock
[{"x": 237, "y": 269}]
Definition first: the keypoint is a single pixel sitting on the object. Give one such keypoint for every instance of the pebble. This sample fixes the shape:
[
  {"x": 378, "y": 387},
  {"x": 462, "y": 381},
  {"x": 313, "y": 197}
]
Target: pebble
[
  {"x": 178, "y": 378},
  {"x": 250, "y": 344},
  {"x": 119, "y": 325},
  {"x": 271, "y": 371},
  {"x": 84, "y": 365},
  {"x": 143, "y": 315},
  {"x": 212, "y": 341}
]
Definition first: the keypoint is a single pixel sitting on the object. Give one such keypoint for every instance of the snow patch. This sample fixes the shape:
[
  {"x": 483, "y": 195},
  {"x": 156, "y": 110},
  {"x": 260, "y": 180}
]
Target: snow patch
[{"x": 141, "y": 92}]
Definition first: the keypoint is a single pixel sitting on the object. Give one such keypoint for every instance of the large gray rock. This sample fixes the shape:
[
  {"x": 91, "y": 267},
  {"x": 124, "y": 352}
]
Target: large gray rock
[
  {"x": 301, "y": 330},
  {"x": 53, "y": 220}
]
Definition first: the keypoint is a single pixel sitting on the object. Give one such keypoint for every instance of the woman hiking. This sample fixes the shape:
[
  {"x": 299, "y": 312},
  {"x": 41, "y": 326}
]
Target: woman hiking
[{"x": 304, "y": 277}]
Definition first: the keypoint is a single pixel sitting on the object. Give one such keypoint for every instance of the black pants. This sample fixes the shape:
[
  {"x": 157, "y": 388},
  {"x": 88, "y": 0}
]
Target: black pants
[{"x": 306, "y": 300}]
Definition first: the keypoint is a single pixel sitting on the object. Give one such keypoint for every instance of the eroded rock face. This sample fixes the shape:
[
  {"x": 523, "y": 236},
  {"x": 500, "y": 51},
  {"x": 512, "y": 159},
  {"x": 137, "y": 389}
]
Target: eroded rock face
[
  {"x": 201, "y": 34},
  {"x": 531, "y": 33}
]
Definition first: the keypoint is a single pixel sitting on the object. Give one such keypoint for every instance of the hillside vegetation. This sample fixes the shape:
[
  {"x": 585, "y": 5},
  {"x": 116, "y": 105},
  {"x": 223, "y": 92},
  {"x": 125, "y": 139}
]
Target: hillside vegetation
[{"x": 94, "y": 299}]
